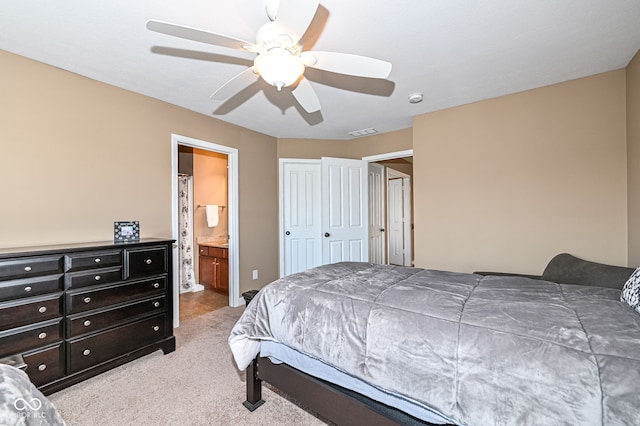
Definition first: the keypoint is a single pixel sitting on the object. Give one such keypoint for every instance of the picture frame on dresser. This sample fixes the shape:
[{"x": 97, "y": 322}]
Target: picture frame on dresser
[{"x": 126, "y": 231}]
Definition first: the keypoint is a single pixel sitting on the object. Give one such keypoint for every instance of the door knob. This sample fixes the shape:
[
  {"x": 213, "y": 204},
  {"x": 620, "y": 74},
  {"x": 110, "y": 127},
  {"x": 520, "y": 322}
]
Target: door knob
[
  {"x": 326, "y": 234},
  {"x": 287, "y": 233},
  {"x": 381, "y": 229}
]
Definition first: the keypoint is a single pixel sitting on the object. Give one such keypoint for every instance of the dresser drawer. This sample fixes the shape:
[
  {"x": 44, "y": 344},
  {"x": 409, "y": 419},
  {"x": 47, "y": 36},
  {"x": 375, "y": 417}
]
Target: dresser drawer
[
  {"x": 19, "y": 340},
  {"x": 91, "y": 260},
  {"x": 93, "y": 322},
  {"x": 93, "y": 277},
  {"x": 91, "y": 350},
  {"x": 147, "y": 261},
  {"x": 81, "y": 301},
  {"x": 31, "y": 266},
  {"x": 31, "y": 310},
  {"x": 16, "y": 289},
  {"x": 46, "y": 365}
]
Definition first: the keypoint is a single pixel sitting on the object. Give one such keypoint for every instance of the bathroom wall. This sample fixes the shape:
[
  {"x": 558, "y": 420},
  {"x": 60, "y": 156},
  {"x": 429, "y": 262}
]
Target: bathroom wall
[{"x": 210, "y": 186}]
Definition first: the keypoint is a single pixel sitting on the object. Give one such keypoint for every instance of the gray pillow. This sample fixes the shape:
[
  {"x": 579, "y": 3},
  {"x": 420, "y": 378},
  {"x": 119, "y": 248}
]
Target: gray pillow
[
  {"x": 568, "y": 269},
  {"x": 631, "y": 291}
]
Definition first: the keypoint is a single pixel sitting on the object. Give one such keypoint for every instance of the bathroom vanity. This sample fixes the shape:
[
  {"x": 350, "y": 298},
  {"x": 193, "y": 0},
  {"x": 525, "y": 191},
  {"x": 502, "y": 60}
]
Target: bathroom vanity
[{"x": 214, "y": 266}]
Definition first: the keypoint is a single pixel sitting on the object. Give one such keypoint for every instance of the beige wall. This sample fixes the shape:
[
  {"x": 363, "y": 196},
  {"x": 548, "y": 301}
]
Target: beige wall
[
  {"x": 311, "y": 148},
  {"x": 210, "y": 185},
  {"x": 399, "y": 140},
  {"x": 78, "y": 155},
  {"x": 505, "y": 184},
  {"x": 633, "y": 158}
]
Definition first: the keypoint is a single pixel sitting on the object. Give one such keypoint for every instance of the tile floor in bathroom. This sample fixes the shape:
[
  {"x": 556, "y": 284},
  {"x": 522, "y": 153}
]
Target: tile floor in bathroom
[{"x": 197, "y": 303}]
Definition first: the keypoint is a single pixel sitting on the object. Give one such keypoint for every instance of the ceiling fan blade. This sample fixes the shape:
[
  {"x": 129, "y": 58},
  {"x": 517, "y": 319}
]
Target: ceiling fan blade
[
  {"x": 296, "y": 16},
  {"x": 199, "y": 35},
  {"x": 345, "y": 63},
  {"x": 306, "y": 96},
  {"x": 235, "y": 85}
]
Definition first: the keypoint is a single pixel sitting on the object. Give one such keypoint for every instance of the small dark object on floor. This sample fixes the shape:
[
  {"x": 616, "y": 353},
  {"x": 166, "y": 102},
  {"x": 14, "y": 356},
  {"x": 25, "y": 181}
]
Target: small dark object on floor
[{"x": 249, "y": 295}]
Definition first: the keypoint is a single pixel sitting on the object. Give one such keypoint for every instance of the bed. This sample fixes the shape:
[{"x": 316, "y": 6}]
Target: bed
[
  {"x": 21, "y": 403},
  {"x": 410, "y": 345}
]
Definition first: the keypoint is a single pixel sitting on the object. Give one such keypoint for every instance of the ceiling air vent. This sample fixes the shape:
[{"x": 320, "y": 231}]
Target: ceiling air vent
[{"x": 363, "y": 132}]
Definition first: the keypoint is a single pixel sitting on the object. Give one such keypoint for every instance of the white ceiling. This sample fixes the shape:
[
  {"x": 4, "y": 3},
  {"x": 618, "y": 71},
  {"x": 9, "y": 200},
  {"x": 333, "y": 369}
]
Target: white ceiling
[{"x": 453, "y": 51}]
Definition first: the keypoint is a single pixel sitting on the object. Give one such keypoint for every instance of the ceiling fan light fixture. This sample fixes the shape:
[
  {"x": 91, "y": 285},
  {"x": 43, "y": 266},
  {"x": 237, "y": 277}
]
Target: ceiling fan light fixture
[{"x": 279, "y": 67}]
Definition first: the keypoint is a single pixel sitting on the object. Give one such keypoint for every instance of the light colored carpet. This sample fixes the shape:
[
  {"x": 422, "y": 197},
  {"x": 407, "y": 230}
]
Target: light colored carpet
[{"x": 198, "y": 384}]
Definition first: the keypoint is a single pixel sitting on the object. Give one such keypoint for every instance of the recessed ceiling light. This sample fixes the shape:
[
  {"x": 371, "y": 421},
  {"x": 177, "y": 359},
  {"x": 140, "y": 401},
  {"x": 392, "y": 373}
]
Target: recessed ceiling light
[
  {"x": 363, "y": 132},
  {"x": 415, "y": 98}
]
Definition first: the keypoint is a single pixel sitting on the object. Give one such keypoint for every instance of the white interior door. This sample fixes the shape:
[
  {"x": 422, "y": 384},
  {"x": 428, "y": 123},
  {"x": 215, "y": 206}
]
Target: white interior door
[
  {"x": 301, "y": 216},
  {"x": 377, "y": 221},
  {"x": 396, "y": 225},
  {"x": 344, "y": 210}
]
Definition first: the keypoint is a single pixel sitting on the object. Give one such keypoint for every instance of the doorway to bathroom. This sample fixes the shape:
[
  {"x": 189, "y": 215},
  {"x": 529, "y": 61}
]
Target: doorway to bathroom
[{"x": 205, "y": 227}]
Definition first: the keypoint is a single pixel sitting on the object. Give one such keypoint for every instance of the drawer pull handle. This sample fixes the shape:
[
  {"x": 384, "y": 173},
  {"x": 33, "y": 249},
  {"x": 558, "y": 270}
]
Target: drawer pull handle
[
  {"x": 156, "y": 328},
  {"x": 156, "y": 285},
  {"x": 27, "y": 289},
  {"x": 86, "y": 299},
  {"x": 27, "y": 268},
  {"x": 42, "y": 367},
  {"x": 86, "y": 352},
  {"x": 156, "y": 304},
  {"x": 42, "y": 335},
  {"x": 97, "y": 278},
  {"x": 87, "y": 323},
  {"x": 148, "y": 261},
  {"x": 97, "y": 260},
  {"x": 42, "y": 309}
]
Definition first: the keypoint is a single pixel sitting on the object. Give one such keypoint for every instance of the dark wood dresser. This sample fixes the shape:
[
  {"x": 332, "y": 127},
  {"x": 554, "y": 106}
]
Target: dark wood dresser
[{"x": 74, "y": 311}]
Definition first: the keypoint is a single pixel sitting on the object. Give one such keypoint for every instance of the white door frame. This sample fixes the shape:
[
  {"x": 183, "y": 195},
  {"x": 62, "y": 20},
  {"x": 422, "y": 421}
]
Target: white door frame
[
  {"x": 377, "y": 214},
  {"x": 391, "y": 156},
  {"x": 232, "y": 211}
]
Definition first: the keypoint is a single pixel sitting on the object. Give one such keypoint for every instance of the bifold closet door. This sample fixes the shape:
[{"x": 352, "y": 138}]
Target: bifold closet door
[
  {"x": 324, "y": 213},
  {"x": 345, "y": 217},
  {"x": 301, "y": 217}
]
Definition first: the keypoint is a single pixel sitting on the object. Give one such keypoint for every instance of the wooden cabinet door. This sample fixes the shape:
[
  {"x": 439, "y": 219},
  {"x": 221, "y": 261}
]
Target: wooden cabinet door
[
  {"x": 207, "y": 270},
  {"x": 222, "y": 276}
]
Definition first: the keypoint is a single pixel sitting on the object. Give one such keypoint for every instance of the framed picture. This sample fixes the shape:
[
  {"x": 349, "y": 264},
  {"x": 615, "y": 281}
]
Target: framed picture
[{"x": 126, "y": 231}]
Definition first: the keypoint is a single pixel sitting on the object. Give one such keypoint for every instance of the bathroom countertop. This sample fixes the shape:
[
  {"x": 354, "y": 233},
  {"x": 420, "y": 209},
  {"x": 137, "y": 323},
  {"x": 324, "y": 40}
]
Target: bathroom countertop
[{"x": 214, "y": 244}]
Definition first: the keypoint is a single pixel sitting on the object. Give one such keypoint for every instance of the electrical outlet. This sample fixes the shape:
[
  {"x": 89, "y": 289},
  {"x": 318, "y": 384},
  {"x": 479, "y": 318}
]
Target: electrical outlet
[{"x": 255, "y": 274}]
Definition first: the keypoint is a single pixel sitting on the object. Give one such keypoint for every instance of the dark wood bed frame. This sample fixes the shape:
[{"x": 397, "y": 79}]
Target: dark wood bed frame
[{"x": 329, "y": 401}]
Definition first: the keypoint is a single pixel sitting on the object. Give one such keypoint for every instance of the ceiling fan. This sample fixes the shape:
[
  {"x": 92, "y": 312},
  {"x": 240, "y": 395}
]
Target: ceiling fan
[{"x": 280, "y": 59}]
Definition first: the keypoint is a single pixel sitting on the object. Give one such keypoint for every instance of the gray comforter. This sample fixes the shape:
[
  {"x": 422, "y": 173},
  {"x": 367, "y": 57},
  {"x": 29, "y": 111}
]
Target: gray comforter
[
  {"x": 479, "y": 350},
  {"x": 21, "y": 404}
]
